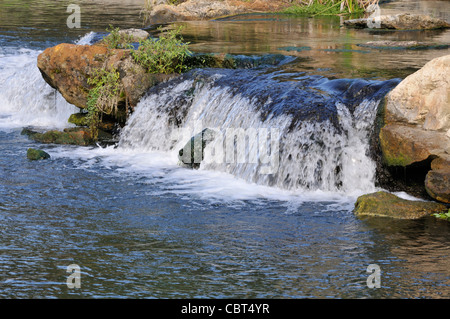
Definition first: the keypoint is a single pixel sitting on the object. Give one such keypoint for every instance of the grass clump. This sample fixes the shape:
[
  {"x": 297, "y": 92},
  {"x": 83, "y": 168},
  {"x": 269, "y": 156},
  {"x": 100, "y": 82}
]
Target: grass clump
[
  {"x": 166, "y": 54},
  {"x": 103, "y": 98},
  {"x": 326, "y": 7},
  {"x": 117, "y": 40}
]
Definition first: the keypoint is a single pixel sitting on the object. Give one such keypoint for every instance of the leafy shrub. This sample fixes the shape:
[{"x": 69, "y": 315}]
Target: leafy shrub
[
  {"x": 117, "y": 40},
  {"x": 166, "y": 54}
]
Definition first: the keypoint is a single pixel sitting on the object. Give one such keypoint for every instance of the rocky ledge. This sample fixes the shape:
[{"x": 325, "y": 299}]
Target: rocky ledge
[
  {"x": 401, "y": 21},
  {"x": 163, "y": 11}
]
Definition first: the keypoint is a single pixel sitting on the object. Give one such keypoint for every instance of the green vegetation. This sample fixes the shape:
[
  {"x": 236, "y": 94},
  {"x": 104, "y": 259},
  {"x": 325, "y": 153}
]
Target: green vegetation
[
  {"x": 116, "y": 40},
  {"x": 445, "y": 216},
  {"x": 326, "y": 7},
  {"x": 166, "y": 54},
  {"x": 103, "y": 98}
]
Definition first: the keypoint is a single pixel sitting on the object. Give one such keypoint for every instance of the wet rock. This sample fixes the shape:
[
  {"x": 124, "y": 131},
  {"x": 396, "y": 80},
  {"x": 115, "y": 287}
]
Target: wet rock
[
  {"x": 401, "y": 21},
  {"x": 106, "y": 124},
  {"x": 384, "y": 204},
  {"x": 34, "y": 154},
  {"x": 71, "y": 136},
  {"x": 192, "y": 154},
  {"x": 437, "y": 180}
]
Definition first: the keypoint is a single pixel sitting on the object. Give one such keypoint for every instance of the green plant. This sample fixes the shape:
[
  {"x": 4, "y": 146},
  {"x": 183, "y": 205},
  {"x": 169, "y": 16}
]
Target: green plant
[
  {"x": 117, "y": 40},
  {"x": 104, "y": 96},
  {"x": 445, "y": 216},
  {"x": 326, "y": 7},
  {"x": 166, "y": 54}
]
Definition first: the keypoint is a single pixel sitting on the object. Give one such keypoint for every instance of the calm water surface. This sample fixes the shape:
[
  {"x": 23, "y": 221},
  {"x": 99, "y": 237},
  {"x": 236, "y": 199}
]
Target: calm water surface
[{"x": 139, "y": 226}]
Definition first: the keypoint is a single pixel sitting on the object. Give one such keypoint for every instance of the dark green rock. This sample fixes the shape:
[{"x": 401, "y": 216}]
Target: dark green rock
[
  {"x": 34, "y": 154},
  {"x": 79, "y": 119},
  {"x": 192, "y": 154},
  {"x": 384, "y": 204}
]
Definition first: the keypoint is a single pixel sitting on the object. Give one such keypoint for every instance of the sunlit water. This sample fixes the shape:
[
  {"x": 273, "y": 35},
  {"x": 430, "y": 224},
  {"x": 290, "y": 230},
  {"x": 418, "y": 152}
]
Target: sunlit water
[{"x": 141, "y": 226}]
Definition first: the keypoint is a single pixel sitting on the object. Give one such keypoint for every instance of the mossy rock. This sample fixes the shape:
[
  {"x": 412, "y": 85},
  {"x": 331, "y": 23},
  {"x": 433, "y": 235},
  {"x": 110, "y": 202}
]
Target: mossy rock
[
  {"x": 72, "y": 136},
  {"x": 34, "y": 154},
  {"x": 384, "y": 204},
  {"x": 79, "y": 119},
  {"x": 192, "y": 154}
]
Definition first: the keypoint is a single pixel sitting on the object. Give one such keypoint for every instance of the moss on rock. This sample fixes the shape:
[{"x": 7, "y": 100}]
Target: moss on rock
[
  {"x": 34, "y": 154},
  {"x": 384, "y": 204}
]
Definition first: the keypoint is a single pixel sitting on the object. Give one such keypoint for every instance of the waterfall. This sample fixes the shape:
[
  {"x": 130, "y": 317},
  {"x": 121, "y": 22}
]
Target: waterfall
[
  {"x": 306, "y": 133},
  {"x": 25, "y": 98}
]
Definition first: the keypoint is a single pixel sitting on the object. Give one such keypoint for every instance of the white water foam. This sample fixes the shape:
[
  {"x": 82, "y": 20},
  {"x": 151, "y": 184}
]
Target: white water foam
[
  {"x": 307, "y": 164},
  {"x": 25, "y": 98}
]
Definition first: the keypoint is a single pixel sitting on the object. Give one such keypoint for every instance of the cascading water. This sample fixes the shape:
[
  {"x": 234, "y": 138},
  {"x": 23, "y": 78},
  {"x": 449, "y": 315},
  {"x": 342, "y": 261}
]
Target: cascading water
[
  {"x": 25, "y": 98},
  {"x": 307, "y": 133}
]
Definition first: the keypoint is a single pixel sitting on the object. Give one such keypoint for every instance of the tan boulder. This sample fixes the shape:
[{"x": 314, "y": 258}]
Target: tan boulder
[
  {"x": 423, "y": 98},
  {"x": 417, "y": 125},
  {"x": 67, "y": 68}
]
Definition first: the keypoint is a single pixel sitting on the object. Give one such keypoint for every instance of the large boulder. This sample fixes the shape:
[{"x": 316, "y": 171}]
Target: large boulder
[
  {"x": 67, "y": 68},
  {"x": 417, "y": 125},
  {"x": 401, "y": 21},
  {"x": 384, "y": 204}
]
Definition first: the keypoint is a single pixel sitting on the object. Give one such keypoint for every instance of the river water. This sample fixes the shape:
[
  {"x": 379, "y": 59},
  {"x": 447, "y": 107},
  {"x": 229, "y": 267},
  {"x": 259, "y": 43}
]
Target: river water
[{"x": 140, "y": 226}]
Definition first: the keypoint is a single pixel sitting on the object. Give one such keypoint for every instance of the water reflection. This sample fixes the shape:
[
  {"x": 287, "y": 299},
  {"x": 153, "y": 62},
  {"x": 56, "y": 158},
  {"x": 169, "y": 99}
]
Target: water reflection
[{"x": 319, "y": 43}]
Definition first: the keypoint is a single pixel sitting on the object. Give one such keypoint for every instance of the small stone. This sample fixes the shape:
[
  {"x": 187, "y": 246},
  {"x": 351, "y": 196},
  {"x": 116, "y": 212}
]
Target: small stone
[
  {"x": 34, "y": 154},
  {"x": 437, "y": 184}
]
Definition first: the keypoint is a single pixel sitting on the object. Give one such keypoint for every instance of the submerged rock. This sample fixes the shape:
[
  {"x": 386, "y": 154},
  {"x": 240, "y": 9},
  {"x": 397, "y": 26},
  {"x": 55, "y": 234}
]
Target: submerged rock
[
  {"x": 192, "y": 154},
  {"x": 34, "y": 154},
  {"x": 401, "y": 21},
  {"x": 384, "y": 204}
]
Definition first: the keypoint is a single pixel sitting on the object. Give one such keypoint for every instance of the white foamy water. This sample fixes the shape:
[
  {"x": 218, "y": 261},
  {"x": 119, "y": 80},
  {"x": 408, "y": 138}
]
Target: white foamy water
[
  {"x": 304, "y": 171},
  {"x": 25, "y": 98},
  {"x": 314, "y": 157}
]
